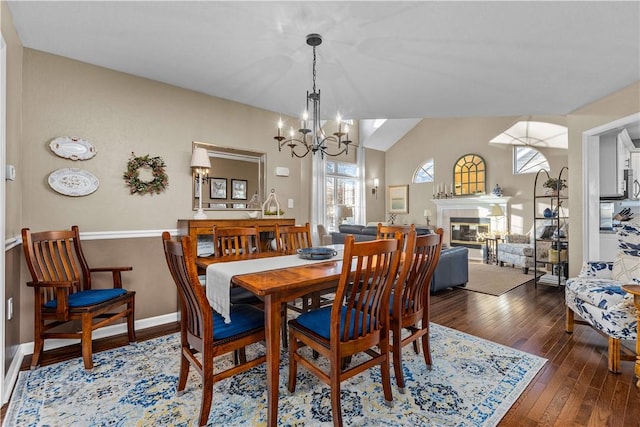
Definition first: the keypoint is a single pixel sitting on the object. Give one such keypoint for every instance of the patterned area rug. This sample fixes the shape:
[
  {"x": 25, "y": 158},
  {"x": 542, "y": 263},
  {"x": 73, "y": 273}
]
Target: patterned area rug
[{"x": 473, "y": 383}]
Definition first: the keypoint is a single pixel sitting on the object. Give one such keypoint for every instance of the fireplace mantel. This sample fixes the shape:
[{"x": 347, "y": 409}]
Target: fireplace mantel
[
  {"x": 480, "y": 204},
  {"x": 465, "y": 202}
]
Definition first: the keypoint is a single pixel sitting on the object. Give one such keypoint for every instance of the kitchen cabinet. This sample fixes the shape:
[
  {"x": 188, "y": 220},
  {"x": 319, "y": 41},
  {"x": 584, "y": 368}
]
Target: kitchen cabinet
[
  {"x": 624, "y": 147},
  {"x": 608, "y": 161},
  {"x": 615, "y": 157}
]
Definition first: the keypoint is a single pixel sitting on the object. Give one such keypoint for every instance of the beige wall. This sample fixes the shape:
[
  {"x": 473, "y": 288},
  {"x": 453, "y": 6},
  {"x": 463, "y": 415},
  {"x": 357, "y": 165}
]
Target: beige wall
[
  {"x": 445, "y": 140},
  {"x": 13, "y": 208},
  {"x": 606, "y": 110},
  {"x": 375, "y": 169},
  {"x": 120, "y": 114}
]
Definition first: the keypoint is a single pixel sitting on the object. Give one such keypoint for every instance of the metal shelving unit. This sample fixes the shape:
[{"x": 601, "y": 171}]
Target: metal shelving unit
[{"x": 552, "y": 270}]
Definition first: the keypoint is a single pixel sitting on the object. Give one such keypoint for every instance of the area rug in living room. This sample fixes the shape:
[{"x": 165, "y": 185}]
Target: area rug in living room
[
  {"x": 473, "y": 382},
  {"x": 495, "y": 280}
]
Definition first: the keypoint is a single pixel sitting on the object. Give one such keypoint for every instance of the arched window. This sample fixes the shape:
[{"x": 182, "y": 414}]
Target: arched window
[
  {"x": 424, "y": 173},
  {"x": 528, "y": 160},
  {"x": 469, "y": 175}
]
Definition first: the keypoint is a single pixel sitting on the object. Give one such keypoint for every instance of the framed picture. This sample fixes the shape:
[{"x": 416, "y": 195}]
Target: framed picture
[
  {"x": 217, "y": 206},
  {"x": 238, "y": 189},
  {"x": 399, "y": 199},
  {"x": 218, "y": 188}
]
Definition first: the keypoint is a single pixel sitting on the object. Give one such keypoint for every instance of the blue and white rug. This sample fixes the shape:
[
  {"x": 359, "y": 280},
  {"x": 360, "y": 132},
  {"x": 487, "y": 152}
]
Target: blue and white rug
[{"x": 473, "y": 382}]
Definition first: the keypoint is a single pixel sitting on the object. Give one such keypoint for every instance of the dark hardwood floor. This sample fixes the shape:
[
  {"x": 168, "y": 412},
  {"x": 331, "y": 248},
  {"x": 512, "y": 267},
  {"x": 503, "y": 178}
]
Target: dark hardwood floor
[{"x": 574, "y": 387}]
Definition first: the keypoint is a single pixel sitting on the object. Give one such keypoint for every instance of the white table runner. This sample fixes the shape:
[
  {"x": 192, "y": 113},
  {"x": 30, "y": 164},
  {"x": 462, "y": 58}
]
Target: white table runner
[{"x": 219, "y": 275}]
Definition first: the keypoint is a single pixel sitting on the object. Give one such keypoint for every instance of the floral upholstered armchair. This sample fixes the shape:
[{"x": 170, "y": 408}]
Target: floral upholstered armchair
[{"x": 596, "y": 295}]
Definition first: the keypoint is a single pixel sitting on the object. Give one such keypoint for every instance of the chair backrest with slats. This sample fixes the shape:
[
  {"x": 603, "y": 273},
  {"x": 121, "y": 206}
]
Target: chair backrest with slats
[
  {"x": 234, "y": 241},
  {"x": 196, "y": 315},
  {"x": 290, "y": 238},
  {"x": 411, "y": 293},
  {"x": 56, "y": 256},
  {"x": 368, "y": 272},
  {"x": 389, "y": 231}
]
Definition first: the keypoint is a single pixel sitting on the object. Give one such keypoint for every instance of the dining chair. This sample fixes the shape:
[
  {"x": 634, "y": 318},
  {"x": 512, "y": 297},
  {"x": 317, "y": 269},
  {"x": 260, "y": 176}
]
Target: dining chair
[
  {"x": 204, "y": 331},
  {"x": 356, "y": 322},
  {"x": 290, "y": 238},
  {"x": 389, "y": 231},
  {"x": 61, "y": 280},
  {"x": 409, "y": 304},
  {"x": 235, "y": 241},
  {"x": 232, "y": 242}
]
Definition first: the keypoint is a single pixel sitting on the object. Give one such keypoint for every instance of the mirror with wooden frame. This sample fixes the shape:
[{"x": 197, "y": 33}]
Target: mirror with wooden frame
[{"x": 236, "y": 179}]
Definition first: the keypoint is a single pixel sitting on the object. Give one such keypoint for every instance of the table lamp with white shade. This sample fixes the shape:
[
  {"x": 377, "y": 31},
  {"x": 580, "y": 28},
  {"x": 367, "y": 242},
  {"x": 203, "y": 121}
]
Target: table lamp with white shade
[
  {"x": 344, "y": 212},
  {"x": 201, "y": 163},
  {"x": 496, "y": 213},
  {"x": 427, "y": 215}
]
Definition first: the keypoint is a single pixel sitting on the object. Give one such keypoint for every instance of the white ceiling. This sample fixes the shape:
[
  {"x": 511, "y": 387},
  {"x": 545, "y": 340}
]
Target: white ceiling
[{"x": 382, "y": 59}]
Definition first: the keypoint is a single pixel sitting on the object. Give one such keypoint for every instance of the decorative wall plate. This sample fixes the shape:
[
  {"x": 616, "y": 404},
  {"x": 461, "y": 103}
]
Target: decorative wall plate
[
  {"x": 73, "y": 182},
  {"x": 72, "y": 148}
]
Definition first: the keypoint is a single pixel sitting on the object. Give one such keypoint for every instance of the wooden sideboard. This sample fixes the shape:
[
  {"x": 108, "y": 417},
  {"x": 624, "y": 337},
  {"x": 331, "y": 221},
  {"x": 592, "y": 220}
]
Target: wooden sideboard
[{"x": 195, "y": 227}]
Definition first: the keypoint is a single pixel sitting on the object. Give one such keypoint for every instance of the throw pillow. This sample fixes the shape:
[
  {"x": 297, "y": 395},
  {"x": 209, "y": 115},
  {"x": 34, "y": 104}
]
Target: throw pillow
[{"x": 597, "y": 269}]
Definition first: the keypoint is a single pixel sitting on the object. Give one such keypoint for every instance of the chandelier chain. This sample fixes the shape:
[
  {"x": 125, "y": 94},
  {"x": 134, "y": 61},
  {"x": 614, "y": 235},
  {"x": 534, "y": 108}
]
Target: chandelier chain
[{"x": 314, "y": 69}]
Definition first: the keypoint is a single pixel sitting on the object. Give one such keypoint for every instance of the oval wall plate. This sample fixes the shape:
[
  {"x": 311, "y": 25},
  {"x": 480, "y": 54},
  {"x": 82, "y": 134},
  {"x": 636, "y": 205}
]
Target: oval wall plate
[{"x": 72, "y": 148}]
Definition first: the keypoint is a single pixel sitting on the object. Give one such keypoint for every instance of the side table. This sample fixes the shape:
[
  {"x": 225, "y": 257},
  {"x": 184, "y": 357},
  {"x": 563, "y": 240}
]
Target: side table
[
  {"x": 635, "y": 290},
  {"x": 491, "y": 248}
]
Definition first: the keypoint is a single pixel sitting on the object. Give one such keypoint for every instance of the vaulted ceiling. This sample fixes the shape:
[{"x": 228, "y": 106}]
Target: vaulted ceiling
[{"x": 382, "y": 59}]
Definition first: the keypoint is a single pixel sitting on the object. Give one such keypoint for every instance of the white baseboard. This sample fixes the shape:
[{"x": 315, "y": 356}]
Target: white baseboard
[{"x": 107, "y": 331}]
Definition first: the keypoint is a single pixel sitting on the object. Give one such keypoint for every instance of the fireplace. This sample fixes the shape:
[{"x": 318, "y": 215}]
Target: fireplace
[{"x": 469, "y": 232}]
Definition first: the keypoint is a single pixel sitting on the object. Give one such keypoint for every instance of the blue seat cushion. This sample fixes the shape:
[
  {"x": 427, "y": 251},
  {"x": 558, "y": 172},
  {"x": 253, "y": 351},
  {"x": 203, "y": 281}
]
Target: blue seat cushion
[
  {"x": 90, "y": 297},
  {"x": 244, "y": 317},
  {"x": 319, "y": 322},
  {"x": 408, "y": 304}
]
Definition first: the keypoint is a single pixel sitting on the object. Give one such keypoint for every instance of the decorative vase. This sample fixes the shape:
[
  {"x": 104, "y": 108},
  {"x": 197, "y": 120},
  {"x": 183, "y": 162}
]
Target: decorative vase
[
  {"x": 548, "y": 213},
  {"x": 497, "y": 191}
]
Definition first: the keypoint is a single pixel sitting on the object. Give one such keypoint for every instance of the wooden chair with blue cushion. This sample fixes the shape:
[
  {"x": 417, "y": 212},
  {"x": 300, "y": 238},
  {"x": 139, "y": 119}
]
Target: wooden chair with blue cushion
[
  {"x": 357, "y": 322},
  {"x": 290, "y": 238},
  {"x": 410, "y": 298},
  {"x": 204, "y": 331},
  {"x": 61, "y": 280}
]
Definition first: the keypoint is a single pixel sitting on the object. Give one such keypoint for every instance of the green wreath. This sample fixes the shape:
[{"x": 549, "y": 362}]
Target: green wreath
[{"x": 132, "y": 175}]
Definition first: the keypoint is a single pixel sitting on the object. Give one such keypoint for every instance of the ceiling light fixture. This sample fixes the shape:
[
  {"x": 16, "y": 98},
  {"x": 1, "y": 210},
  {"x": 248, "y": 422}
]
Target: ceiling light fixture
[{"x": 314, "y": 139}]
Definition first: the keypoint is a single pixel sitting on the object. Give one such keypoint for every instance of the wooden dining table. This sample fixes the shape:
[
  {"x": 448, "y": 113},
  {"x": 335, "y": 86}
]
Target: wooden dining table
[{"x": 276, "y": 287}]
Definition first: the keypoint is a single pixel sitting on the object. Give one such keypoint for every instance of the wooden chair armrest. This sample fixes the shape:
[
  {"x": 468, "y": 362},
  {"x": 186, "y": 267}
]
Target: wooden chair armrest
[
  {"x": 117, "y": 277},
  {"x": 62, "y": 296},
  {"x": 53, "y": 284},
  {"x": 110, "y": 269}
]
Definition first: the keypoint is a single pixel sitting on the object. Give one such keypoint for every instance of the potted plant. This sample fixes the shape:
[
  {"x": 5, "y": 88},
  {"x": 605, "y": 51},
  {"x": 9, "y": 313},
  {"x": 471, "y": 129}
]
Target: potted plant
[{"x": 555, "y": 185}]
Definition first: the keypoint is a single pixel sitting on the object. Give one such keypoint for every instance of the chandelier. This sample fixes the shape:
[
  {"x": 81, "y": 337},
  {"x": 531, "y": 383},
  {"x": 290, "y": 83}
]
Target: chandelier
[{"x": 314, "y": 139}]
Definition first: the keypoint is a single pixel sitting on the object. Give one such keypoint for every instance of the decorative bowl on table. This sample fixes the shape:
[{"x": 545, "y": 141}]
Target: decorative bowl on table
[{"x": 317, "y": 253}]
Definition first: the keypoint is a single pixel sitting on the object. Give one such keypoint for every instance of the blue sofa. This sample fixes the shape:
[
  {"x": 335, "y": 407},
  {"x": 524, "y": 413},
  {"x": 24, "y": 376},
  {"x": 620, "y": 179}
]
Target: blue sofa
[{"x": 453, "y": 266}]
